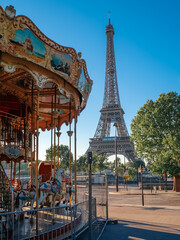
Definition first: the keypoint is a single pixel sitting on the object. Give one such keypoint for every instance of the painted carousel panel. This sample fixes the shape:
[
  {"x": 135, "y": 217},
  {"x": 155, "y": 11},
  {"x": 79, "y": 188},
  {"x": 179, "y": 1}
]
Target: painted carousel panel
[{"x": 27, "y": 43}]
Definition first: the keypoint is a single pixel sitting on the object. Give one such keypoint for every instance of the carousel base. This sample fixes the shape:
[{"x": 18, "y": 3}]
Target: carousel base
[
  {"x": 24, "y": 227},
  {"x": 62, "y": 232}
]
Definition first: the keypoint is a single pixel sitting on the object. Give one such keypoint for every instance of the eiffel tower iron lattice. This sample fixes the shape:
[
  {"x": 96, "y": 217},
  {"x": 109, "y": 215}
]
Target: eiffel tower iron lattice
[{"x": 111, "y": 112}]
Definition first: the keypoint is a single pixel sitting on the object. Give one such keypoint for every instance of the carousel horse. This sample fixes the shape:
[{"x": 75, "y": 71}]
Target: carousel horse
[
  {"x": 49, "y": 189},
  {"x": 52, "y": 188},
  {"x": 24, "y": 196}
]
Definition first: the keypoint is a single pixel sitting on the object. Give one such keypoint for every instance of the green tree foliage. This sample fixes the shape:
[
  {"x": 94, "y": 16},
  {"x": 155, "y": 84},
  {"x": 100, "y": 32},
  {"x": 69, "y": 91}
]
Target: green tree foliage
[
  {"x": 133, "y": 167},
  {"x": 156, "y": 132},
  {"x": 121, "y": 167},
  {"x": 82, "y": 164},
  {"x": 63, "y": 155},
  {"x": 164, "y": 166},
  {"x": 99, "y": 163}
]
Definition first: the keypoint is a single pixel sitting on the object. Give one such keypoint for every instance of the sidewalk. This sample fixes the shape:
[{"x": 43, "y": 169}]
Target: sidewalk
[
  {"x": 158, "y": 219},
  {"x": 140, "y": 231}
]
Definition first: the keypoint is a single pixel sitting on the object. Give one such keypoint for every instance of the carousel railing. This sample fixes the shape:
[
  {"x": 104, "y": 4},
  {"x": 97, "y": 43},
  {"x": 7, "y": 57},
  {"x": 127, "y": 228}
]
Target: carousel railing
[{"x": 47, "y": 223}]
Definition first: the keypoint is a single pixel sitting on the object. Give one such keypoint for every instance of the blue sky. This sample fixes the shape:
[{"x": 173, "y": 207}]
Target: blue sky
[{"x": 147, "y": 50}]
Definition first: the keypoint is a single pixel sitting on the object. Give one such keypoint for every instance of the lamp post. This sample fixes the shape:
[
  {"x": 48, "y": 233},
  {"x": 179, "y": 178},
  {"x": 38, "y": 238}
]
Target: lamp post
[{"x": 115, "y": 125}]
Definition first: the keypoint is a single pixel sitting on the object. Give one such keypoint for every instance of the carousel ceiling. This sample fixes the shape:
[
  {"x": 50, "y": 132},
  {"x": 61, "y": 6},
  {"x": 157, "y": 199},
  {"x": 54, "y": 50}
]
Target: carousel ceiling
[{"x": 34, "y": 69}]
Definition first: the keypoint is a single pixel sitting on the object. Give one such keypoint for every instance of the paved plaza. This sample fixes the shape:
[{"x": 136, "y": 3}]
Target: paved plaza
[{"x": 159, "y": 218}]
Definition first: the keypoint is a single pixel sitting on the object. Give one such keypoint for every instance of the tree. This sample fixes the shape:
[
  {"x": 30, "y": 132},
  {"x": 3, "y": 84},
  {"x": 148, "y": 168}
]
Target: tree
[
  {"x": 164, "y": 166},
  {"x": 156, "y": 131},
  {"x": 63, "y": 155},
  {"x": 133, "y": 167},
  {"x": 82, "y": 164},
  {"x": 99, "y": 163},
  {"x": 112, "y": 166}
]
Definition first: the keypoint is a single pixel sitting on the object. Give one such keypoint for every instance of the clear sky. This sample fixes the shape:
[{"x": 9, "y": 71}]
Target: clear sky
[{"x": 147, "y": 50}]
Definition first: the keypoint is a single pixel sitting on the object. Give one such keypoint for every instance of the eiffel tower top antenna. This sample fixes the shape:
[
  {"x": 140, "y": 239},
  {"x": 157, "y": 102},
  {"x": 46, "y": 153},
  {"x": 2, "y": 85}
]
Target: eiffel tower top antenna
[{"x": 109, "y": 17}]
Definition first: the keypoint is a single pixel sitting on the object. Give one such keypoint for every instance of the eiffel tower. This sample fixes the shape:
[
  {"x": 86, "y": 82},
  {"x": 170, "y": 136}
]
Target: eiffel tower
[{"x": 111, "y": 112}]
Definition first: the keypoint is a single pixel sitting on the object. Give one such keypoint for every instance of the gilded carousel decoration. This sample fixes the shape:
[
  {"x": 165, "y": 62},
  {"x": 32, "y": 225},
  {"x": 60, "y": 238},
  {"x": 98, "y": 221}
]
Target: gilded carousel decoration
[{"x": 42, "y": 86}]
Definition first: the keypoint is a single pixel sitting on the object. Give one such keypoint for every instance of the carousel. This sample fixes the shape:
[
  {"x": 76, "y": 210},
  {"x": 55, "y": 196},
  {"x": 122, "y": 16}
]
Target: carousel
[{"x": 43, "y": 85}]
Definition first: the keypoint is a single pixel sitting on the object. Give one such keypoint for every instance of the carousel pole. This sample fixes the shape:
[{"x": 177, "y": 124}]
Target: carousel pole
[
  {"x": 25, "y": 158},
  {"x": 51, "y": 135},
  {"x": 14, "y": 173},
  {"x": 55, "y": 134},
  {"x": 58, "y": 133},
  {"x": 75, "y": 160},
  {"x": 34, "y": 149},
  {"x": 54, "y": 151},
  {"x": 37, "y": 146},
  {"x": 54, "y": 175},
  {"x": 70, "y": 135},
  {"x": 37, "y": 152},
  {"x": 70, "y": 183},
  {"x": 19, "y": 173},
  {"x": 11, "y": 170},
  {"x": 26, "y": 138},
  {"x": 32, "y": 129},
  {"x": 7, "y": 169}
]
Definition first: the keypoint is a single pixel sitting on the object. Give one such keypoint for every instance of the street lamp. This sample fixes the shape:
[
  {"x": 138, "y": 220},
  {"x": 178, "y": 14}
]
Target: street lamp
[{"x": 115, "y": 125}]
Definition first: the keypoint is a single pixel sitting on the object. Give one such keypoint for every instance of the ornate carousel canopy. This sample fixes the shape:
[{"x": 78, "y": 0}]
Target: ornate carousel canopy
[
  {"x": 38, "y": 79},
  {"x": 29, "y": 57}
]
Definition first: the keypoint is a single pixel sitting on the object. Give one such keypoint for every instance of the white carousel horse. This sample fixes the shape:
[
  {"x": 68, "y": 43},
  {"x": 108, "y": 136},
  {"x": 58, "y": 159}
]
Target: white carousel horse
[
  {"x": 25, "y": 195},
  {"x": 52, "y": 188}
]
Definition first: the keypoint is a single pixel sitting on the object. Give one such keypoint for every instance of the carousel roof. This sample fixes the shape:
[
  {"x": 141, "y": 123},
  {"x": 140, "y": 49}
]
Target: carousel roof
[{"x": 30, "y": 60}]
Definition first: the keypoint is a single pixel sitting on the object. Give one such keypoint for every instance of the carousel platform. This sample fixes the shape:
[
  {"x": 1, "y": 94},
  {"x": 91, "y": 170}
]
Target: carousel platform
[{"x": 50, "y": 225}]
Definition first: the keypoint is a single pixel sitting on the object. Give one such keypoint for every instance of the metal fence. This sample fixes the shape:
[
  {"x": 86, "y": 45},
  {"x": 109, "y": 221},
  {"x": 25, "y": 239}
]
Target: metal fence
[
  {"x": 100, "y": 192},
  {"x": 46, "y": 223}
]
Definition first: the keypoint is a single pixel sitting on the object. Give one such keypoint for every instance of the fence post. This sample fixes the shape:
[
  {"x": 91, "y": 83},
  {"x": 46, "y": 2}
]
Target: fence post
[
  {"x": 74, "y": 225},
  {"x": 106, "y": 184},
  {"x": 71, "y": 209},
  {"x": 151, "y": 184},
  {"x": 37, "y": 223},
  {"x": 13, "y": 225},
  {"x": 142, "y": 185}
]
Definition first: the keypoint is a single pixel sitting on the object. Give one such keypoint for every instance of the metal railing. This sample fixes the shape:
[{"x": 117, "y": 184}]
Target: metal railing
[
  {"x": 47, "y": 223},
  {"x": 100, "y": 193}
]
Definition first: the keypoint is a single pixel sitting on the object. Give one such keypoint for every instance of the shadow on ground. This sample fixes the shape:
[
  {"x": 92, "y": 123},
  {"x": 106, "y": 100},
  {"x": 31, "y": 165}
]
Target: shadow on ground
[
  {"x": 97, "y": 228},
  {"x": 139, "y": 231}
]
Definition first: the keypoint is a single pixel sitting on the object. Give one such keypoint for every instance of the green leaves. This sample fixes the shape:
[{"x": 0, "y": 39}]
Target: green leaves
[
  {"x": 63, "y": 155},
  {"x": 99, "y": 163},
  {"x": 156, "y": 130}
]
